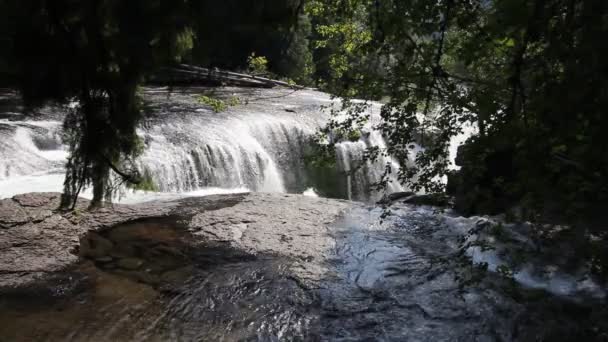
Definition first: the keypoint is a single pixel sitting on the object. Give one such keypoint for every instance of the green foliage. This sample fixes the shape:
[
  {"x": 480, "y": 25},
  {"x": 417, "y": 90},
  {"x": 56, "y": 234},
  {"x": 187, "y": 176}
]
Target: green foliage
[
  {"x": 147, "y": 183},
  {"x": 353, "y": 135},
  {"x": 343, "y": 134},
  {"x": 504, "y": 271},
  {"x": 95, "y": 52},
  {"x": 218, "y": 105},
  {"x": 257, "y": 65},
  {"x": 526, "y": 74},
  {"x": 320, "y": 157},
  {"x": 321, "y": 166},
  {"x": 468, "y": 273},
  {"x": 297, "y": 64},
  {"x": 228, "y": 32}
]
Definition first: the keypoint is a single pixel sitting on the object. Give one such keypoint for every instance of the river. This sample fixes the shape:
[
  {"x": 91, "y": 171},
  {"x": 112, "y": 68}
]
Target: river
[
  {"x": 291, "y": 270},
  {"x": 259, "y": 145}
]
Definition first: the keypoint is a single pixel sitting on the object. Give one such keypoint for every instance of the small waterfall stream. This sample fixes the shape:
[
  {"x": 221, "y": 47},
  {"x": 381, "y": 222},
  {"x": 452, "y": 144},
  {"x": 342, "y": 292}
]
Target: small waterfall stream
[{"x": 259, "y": 145}]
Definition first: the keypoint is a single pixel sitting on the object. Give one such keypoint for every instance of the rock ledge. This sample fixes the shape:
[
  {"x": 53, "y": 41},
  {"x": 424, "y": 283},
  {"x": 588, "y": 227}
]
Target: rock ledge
[{"x": 37, "y": 241}]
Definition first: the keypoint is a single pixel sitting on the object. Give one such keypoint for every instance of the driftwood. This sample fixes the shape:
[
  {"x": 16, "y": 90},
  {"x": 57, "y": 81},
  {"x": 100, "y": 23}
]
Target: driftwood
[
  {"x": 212, "y": 78},
  {"x": 242, "y": 76},
  {"x": 191, "y": 73}
]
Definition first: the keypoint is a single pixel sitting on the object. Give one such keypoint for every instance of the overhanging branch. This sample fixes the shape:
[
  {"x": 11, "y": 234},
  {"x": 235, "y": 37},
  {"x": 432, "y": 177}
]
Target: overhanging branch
[{"x": 125, "y": 176}]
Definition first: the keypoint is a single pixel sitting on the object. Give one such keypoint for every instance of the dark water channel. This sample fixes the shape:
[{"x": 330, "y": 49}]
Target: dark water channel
[{"x": 396, "y": 281}]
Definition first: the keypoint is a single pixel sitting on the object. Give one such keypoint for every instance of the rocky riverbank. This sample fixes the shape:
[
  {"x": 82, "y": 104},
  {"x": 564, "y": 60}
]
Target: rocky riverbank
[
  {"x": 37, "y": 240},
  {"x": 266, "y": 267},
  {"x": 120, "y": 261}
]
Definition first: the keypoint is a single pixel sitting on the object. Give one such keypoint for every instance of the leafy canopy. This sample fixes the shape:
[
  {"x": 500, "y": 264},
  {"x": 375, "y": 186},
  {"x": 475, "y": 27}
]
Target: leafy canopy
[
  {"x": 96, "y": 53},
  {"x": 527, "y": 76}
]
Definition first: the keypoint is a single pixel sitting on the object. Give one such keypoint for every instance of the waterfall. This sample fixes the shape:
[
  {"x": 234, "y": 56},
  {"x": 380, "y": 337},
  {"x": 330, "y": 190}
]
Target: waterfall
[
  {"x": 29, "y": 147},
  {"x": 224, "y": 155},
  {"x": 257, "y": 146},
  {"x": 361, "y": 176}
]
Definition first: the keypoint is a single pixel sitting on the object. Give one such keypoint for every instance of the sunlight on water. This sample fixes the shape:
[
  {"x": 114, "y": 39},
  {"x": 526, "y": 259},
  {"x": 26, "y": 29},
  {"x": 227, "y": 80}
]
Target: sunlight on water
[{"x": 260, "y": 146}]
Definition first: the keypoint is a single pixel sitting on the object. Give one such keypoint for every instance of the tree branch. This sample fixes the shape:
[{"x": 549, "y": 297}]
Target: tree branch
[
  {"x": 436, "y": 68},
  {"x": 517, "y": 88},
  {"x": 127, "y": 177}
]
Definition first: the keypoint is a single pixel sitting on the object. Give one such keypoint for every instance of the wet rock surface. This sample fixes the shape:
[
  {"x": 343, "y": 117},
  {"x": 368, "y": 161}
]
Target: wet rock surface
[
  {"x": 263, "y": 267},
  {"x": 36, "y": 239},
  {"x": 187, "y": 267}
]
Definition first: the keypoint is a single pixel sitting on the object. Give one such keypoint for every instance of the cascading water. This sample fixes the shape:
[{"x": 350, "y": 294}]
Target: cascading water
[
  {"x": 361, "y": 176},
  {"x": 257, "y": 146},
  {"x": 36, "y": 148},
  {"x": 225, "y": 156},
  {"x": 383, "y": 279}
]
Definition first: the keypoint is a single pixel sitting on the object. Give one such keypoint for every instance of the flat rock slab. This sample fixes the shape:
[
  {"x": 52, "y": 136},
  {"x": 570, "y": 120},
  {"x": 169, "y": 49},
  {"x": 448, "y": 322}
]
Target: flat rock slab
[
  {"x": 37, "y": 241},
  {"x": 294, "y": 226}
]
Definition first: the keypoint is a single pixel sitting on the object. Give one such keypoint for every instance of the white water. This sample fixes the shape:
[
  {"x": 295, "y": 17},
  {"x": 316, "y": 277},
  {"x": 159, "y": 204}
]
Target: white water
[
  {"x": 257, "y": 146},
  {"x": 24, "y": 157},
  {"x": 532, "y": 273}
]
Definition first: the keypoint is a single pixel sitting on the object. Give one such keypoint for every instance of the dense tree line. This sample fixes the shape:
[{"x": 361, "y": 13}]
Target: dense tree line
[
  {"x": 228, "y": 32},
  {"x": 527, "y": 74}
]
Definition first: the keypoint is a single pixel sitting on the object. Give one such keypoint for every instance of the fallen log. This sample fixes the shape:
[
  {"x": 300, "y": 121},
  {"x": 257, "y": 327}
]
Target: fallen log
[
  {"x": 231, "y": 75},
  {"x": 214, "y": 77}
]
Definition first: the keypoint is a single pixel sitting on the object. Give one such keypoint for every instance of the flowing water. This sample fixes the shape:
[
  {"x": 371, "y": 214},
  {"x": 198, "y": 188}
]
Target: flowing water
[
  {"x": 391, "y": 280},
  {"x": 259, "y": 145}
]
